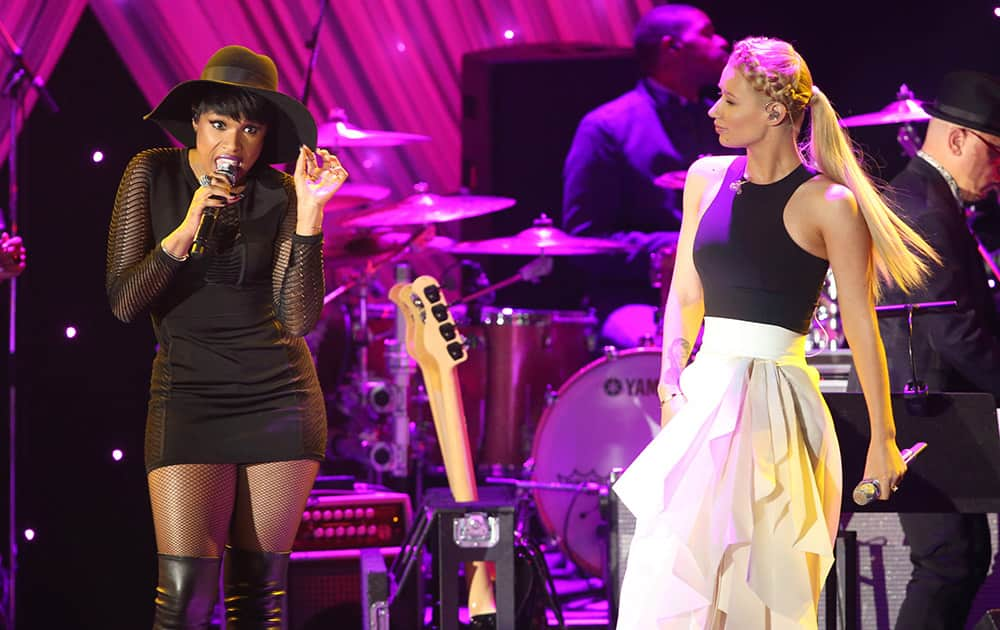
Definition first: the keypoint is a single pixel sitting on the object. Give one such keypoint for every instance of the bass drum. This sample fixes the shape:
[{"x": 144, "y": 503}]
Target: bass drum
[{"x": 601, "y": 418}]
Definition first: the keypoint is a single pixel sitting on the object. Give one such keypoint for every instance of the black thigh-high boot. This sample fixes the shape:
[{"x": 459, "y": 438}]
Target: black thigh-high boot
[
  {"x": 187, "y": 591},
  {"x": 254, "y": 582}
]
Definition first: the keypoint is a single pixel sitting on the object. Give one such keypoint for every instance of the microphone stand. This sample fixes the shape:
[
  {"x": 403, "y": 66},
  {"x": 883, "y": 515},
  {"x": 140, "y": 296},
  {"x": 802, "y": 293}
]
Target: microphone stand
[
  {"x": 19, "y": 77},
  {"x": 313, "y": 45},
  {"x": 915, "y": 387}
]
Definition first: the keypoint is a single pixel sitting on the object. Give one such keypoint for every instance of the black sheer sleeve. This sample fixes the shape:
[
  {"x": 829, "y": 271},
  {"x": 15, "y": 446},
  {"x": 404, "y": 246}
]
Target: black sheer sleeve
[
  {"x": 298, "y": 272},
  {"x": 138, "y": 271}
]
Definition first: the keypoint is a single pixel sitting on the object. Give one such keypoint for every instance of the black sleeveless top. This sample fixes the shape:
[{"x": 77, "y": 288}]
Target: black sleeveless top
[{"x": 750, "y": 267}]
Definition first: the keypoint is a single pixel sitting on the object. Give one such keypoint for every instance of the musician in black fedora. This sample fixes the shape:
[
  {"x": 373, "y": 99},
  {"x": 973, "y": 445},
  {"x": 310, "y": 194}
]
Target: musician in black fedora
[{"x": 953, "y": 351}]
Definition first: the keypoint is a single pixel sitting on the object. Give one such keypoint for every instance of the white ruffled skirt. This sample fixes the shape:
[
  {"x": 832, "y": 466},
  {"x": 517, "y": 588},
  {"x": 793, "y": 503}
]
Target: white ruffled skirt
[{"x": 737, "y": 499}]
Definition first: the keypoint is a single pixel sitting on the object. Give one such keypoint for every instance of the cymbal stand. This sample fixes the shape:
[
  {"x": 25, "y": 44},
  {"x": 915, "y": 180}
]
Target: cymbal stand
[
  {"x": 907, "y": 136},
  {"x": 363, "y": 336},
  {"x": 399, "y": 368}
]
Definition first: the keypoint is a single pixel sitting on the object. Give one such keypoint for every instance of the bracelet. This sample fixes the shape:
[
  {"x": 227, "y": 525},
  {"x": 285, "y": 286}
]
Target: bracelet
[
  {"x": 667, "y": 393},
  {"x": 171, "y": 256}
]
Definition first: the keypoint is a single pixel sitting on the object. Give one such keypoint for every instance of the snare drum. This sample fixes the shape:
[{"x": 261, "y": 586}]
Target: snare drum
[
  {"x": 530, "y": 353},
  {"x": 600, "y": 419}
]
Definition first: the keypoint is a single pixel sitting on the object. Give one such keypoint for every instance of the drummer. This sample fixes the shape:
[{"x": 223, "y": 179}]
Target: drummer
[{"x": 621, "y": 147}]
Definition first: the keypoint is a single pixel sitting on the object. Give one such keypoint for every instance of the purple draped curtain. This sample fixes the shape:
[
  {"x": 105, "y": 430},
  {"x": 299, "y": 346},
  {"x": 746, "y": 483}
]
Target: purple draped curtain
[
  {"x": 41, "y": 29},
  {"x": 390, "y": 64}
]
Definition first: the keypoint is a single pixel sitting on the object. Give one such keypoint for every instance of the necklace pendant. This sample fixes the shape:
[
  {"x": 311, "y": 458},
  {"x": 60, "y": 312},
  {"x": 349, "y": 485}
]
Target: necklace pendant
[{"x": 737, "y": 186}]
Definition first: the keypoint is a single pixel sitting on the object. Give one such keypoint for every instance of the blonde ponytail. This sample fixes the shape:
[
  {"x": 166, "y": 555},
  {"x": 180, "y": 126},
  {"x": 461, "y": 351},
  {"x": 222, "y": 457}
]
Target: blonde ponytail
[
  {"x": 899, "y": 253},
  {"x": 775, "y": 68}
]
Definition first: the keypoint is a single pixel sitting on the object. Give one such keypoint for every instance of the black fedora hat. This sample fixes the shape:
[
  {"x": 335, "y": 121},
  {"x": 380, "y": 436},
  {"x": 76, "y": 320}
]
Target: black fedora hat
[
  {"x": 239, "y": 67},
  {"x": 969, "y": 99}
]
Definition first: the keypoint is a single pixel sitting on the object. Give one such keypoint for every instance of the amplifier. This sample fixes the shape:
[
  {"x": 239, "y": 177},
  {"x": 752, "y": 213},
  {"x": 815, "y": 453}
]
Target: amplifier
[
  {"x": 325, "y": 590},
  {"x": 351, "y": 520}
]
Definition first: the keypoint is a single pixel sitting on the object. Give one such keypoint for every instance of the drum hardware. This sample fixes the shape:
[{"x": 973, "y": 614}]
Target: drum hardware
[
  {"x": 400, "y": 370},
  {"x": 381, "y": 456},
  {"x": 532, "y": 272},
  {"x": 588, "y": 487},
  {"x": 338, "y": 132}
]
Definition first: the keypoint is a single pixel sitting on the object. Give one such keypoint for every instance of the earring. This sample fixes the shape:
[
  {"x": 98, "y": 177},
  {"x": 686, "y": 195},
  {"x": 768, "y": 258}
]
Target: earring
[{"x": 772, "y": 116}]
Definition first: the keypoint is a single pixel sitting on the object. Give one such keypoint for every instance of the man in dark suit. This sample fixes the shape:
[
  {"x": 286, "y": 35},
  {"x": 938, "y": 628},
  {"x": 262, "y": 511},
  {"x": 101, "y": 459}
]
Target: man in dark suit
[
  {"x": 621, "y": 148},
  {"x": 954, "y": 351}
]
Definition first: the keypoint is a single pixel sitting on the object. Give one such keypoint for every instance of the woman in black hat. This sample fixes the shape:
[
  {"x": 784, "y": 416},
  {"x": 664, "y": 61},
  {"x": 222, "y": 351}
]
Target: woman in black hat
[{"x": 224, "y": 252}]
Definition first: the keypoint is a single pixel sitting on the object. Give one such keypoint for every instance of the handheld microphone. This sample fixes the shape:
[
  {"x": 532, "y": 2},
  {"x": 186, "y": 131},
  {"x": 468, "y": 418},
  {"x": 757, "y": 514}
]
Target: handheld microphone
[
  {"x": 869, "y": 489},
  {"x": 228, "y": 167}
]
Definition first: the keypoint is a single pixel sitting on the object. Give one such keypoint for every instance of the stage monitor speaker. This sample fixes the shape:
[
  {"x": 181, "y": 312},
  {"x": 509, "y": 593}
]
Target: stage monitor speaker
[
  {"x": 325, "y": 591},
  {"x": 521, "y": 105}
]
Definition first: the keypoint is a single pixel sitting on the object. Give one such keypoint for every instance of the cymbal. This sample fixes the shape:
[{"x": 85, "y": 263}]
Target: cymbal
[
  {"x": 671, "y": 180},
  {"x": 422, "y": 208},
  {"x": 540, "y": 239},
  {"x": 905, "y": 110},
  {"x": 350, "y": 196},
  {"x": 338, "y": 132}
]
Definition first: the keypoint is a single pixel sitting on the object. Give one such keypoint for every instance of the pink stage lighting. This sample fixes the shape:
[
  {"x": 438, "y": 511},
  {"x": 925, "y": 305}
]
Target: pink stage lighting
[
  {"x": 29, "y": 534},
  {"x": 98, "y": 156},
  {"x": 70, "y": 332},
  {"x": 400, "y": 46},
  {"x": 508, "y": 34},
  {"x": 117, "y": 454}
]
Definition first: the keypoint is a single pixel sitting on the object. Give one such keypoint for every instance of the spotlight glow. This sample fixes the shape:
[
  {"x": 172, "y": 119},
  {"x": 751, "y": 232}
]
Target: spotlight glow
[
  {"x": 400, "y": 47},
  {"x": 508, "y": 34},
  {"x": 117, "y": 454},
  {"x": 29, "y": 534},
  {"x": 70, "y": 332},
  {"x": 98, "y": 156},
  {"x": 996, "y": 12}
]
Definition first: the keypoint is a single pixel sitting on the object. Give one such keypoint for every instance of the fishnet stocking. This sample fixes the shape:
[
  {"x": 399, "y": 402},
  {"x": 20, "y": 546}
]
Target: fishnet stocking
[
  {"x": 192, "y": 504},
  {"x": 197, "y": 507},
  {"x": 270, "y": 498}
]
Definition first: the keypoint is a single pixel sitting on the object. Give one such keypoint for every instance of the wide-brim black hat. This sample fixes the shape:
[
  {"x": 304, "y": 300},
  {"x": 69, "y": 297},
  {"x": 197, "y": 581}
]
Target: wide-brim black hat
[
  {"x": 969, "y": 99},
  {"x": 239, "y": 67}
]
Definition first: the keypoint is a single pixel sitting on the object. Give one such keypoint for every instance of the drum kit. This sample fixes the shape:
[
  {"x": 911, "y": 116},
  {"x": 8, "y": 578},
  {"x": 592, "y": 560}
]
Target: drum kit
[{"x": 538, "y": 404}]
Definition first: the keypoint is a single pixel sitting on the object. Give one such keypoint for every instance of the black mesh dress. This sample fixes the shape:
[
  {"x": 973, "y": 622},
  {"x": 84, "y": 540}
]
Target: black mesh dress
[{"x": 232, "y": 381}]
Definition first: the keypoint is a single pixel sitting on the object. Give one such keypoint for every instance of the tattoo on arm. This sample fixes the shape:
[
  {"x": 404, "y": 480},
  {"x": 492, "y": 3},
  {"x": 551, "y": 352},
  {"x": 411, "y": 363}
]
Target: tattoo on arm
[{"x": 678, "y": 353}]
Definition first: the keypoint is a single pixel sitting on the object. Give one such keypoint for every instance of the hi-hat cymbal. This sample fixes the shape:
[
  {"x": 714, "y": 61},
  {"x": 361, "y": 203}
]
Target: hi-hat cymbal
[
  {"x": 540, "y": 239},
  {"x": 671, "y": 180},
  {"x": 905, "y": 110},
  {"x": 338, "y": 132},
  {"x": 423, "y": 208}
]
